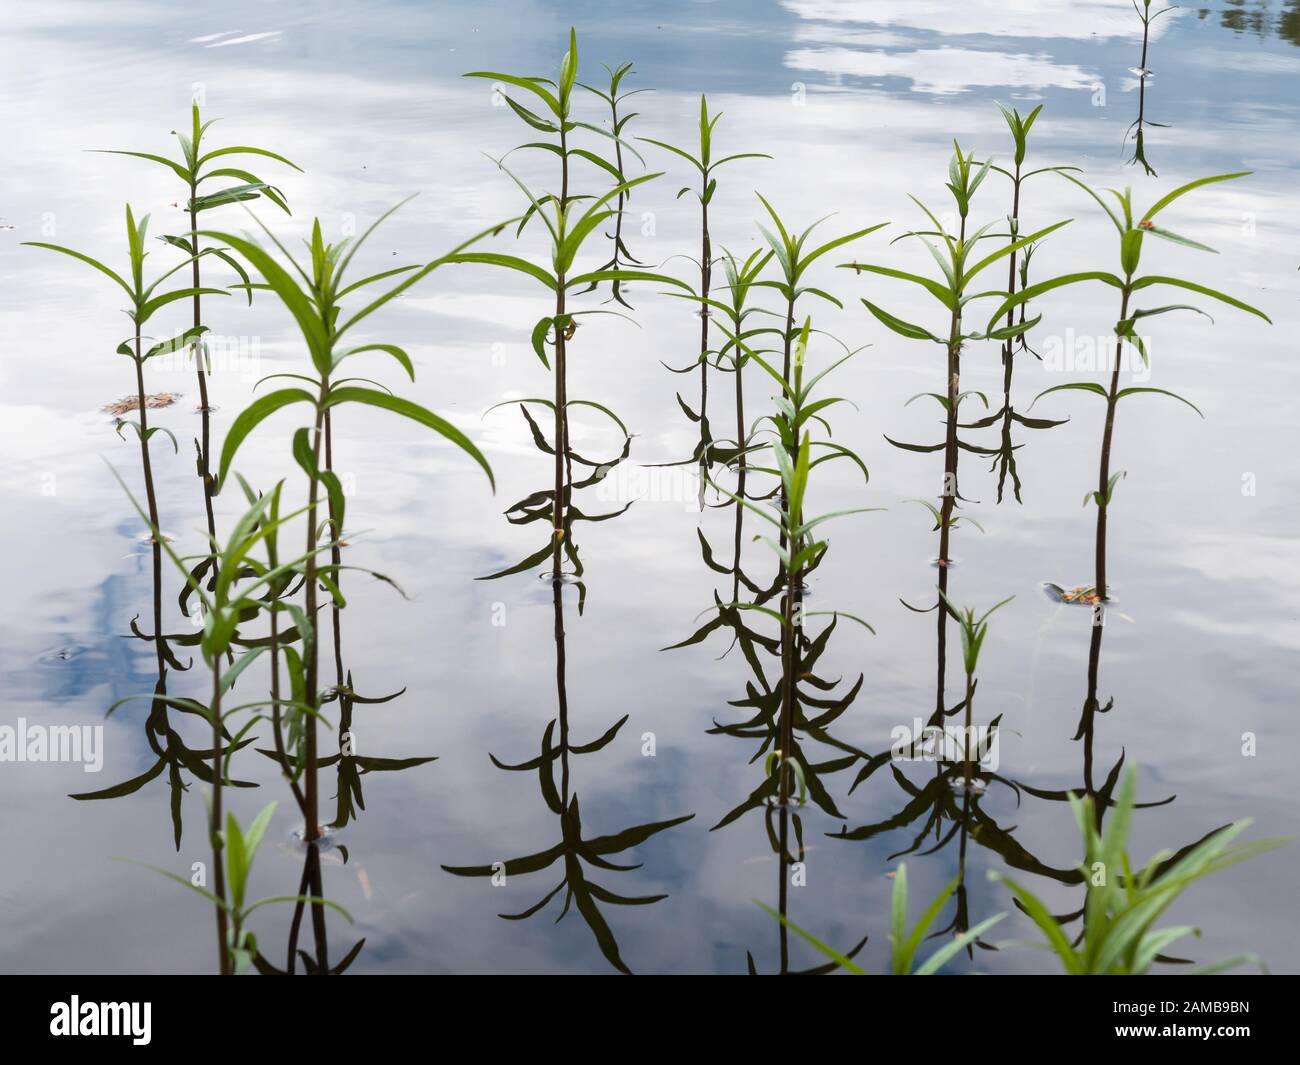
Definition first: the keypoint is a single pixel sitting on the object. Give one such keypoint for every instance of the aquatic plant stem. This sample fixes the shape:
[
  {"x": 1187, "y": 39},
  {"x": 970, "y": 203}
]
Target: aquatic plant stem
[
  {"x": 218, "y": 859},
  {"x": 277, "y": 721},
  {"x": 1009, "y": 343},
  {"x": 561, "y": 692},
  {"x": 311, "y": 818},
  {"x": 146, "y": 466},
  {"x": 789, "y": 340},
  {"x": 1139, "y": 149},
  {"x": 623, "y": 196},
  {"x": 706, "y": 277},
  {"x": 1103, "y": 475},
  {"x": 561, "y": 370},
  {"x": 336, "y": 557},
  {"x": 316, "y": 884},
  {"x": 970, "y": 698},
  {"x": 741, "y": 468},
  {"x": 1091, "y": 707},
  {"x": 783, "y": 889},
  {"x": 785, "y": 375},
  {"x": 205, "y": 445},
  {"x": 1008, "y": 351},
  {"x": 295, "y": 925},
  {"x": 950, "y": 456}
]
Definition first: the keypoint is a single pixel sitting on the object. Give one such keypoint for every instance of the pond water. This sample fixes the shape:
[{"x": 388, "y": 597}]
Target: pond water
[{"x": 858, "y": 104}]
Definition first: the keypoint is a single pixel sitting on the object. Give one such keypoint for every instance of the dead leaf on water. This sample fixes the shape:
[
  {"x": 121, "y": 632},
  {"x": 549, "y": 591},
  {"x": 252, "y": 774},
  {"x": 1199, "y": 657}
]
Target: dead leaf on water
[{"x": 127, "y": 404}]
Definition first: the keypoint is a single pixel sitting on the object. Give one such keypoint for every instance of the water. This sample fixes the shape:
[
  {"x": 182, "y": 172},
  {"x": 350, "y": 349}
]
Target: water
[{"x": 858, "y": 104}]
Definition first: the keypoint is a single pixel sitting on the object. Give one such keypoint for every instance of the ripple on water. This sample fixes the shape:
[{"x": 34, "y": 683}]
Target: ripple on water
[{"x": 63, "y": 653}]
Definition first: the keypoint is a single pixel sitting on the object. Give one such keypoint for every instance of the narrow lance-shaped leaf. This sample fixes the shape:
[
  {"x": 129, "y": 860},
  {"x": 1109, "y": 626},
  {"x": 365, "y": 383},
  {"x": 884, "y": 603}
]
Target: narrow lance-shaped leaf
[{"x": 415, "y": 412}]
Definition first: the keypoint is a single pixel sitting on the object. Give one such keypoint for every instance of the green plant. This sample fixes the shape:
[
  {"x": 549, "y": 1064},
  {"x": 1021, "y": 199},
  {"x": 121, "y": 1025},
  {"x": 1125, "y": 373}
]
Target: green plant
[
  {"x": 576, "y": 848},
  {"x": 612, "y": 97},
  {"x": 314, "y": 298},
  {"x": 973, "y": 630},
  {"x": 1137, "y": 129},
  {"x": 815, "y": 702},
  {"x": 1132, "y": 230},
  {"x": 959, "y": 264},
  {"x": 904, "y": 943},
  {"x": 799, "y": 551},
  {"x": 705, "y": 164},
  {"x": 567, "y": 238},
  {"x": 1004, "y": 456},
  {"x": 144, "y": 302},
  {"x": 1121, "y": 906},
  {"x": 195, "y": 167},
  {"x": 234, "y": 599},
  {"x": 788, "y": 247},
  {"x": 741, "y": 277},
  {"x": 239, "y": 850}
]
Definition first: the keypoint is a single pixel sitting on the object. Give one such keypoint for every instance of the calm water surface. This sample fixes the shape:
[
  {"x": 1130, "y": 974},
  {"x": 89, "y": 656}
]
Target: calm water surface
[{"x": 858, "y": 102}]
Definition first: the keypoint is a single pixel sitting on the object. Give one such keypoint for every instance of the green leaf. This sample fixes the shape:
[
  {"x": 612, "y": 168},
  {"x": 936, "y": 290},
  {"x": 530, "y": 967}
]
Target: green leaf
[
  {"x": 295, "y": 300},
  {"x": 314, "y": 900},
  {"x": 1042, "y": 917},
  {"x": 1016, "y": 245},
  {"x": 253, "y": 837},
  {"x": 181, "y": 340},
  {"x": 1164, "y": 392},
  {"x": 1182, "y": 190},
  {"x": 183, "y": 881},
  {"x": 536, "y": 121},
  {"x": 540, "y": 332},
  {"x": 533, "y": 85},
  {"x": 171, "y": 165},
  {"x": 738, "y": 155},
  {"x": 391, "y": 349},
  {"x": 943, "y": 294},
  {"x": 248, "y": 420},
  {"x": 902, "y": 328},
  {"x": 1100, "y": 202},
  {"x": 568, "y": 69},
  {"x": 676, "y": 151},
  {"x": 1156, "y": 231},
  {"x": 241, "y": 663},
  {"x": 910, "y": 946},
  {"x": 1082, "y": 386},
  {"x": 898, "y": 918},
  {"x": 625, "y": 275},
  {"x": 416, "y": 413},
  {"x": 1036, "y": 290},
  {"x": 838, "y": 242},
  {"x": 510, "y": 262},
  {"x": 1192, "y": 286},
  {"x": 236, "y": 862},
  {"x": 594, "y": 159},
  {"x": 936, "y": 960},
  {"x": 377, "y": 277},
  {"x": 85, "y": 259},
  {"x": 244, "y": 150},
  {"x": 592, "y": 217},
  {"x": 147, "y": 310},
  {"x": 847, "y": 964}
]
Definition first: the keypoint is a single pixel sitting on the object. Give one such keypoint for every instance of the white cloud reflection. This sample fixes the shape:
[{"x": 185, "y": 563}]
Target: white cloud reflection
[
  {"x": 1036, "y": 19},
  {"x": 944, "y": 70}
]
